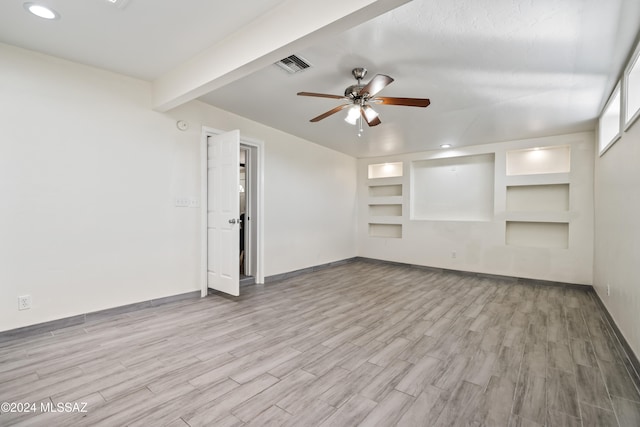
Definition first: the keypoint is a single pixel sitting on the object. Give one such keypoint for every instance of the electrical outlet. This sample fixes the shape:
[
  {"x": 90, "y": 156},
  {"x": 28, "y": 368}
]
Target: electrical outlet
[
  {"x": 182, "y": 202},
  {"x": 24, "y": 302}
]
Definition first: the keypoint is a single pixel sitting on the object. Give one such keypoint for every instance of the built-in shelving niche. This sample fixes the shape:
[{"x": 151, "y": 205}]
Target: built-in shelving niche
[
  {"x": 385, "y": 200},
  {"x": 390, "y": 210},
  {"x": 538, "y": 198},
  {"x": 385, "y": 230},
  {"x": 539, "y": 160},
  {"x": 385, "y": 170},
  {"x": 453, "y": 188},
  {"x": 548, "y": 235},
  {"x": 538, "y": 202},
  {"x": 385, "y": 190}
]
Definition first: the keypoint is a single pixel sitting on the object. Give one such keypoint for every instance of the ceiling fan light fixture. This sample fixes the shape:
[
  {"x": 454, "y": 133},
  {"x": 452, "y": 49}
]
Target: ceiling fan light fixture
[
  {"x": 352, "y": 115},
  {"x": 369, "y": 113},
  {"x": 445, "y": 145}
]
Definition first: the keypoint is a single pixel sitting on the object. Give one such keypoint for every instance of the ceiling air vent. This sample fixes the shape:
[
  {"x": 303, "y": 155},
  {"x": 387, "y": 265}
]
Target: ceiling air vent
[{"x": 293, "y": 64}]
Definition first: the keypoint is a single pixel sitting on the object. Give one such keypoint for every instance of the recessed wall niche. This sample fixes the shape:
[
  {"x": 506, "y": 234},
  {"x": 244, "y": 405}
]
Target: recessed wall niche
[
  {"x": 385, "y": 190},
  {"x": 385, "y": 210},
  {"x": 385, "y": 230},
  {"x": 538, "y": 198},
  {"x": 549, "y": 235},
  {"x": 540, "y": 160},
  {"x": 453, "y": 189},
  {"x": 385, "y": 170}
]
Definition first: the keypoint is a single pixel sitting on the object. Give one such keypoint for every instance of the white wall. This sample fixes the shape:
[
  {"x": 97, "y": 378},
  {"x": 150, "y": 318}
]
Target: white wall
[
  {"x": 617, "y": 233},
  {"x": 310, "y": 193},
  {"x": 88, "y": 178},
  {"x": 479, "y": 246}
]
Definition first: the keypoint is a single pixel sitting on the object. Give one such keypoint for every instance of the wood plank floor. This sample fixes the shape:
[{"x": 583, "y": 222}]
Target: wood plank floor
[{"x": 358, "y": 344}]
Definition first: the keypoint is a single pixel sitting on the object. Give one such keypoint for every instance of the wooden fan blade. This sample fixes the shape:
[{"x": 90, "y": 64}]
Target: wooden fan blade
[
  {"x": 377, "y": 83},
  {"x": 330, "y": 112},
  {"x": 370, "y": 116},
  {"x": 321, "y": 95},
  {"x": 409, "y": 102}
]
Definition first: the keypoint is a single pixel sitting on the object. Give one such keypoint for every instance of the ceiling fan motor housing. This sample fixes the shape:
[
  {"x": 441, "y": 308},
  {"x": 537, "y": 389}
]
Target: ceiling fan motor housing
[{"x": 353, "y": 91}]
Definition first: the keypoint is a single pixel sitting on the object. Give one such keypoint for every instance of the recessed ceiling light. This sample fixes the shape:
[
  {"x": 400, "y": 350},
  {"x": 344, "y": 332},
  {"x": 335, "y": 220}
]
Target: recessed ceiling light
[
  {"x": 120, "y": 4},
  {"x": 41, "y": 11},
  {"x": 445, "y": 145}
]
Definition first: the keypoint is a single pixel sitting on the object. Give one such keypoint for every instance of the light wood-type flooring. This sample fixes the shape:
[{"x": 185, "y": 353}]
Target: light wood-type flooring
[{"x": 357, "y": 344}]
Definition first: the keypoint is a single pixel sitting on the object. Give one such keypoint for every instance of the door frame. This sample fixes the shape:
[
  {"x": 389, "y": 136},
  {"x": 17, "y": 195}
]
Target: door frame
[
  {"x": 250, "y": 253},
  {"x": 258, "y": 219}
]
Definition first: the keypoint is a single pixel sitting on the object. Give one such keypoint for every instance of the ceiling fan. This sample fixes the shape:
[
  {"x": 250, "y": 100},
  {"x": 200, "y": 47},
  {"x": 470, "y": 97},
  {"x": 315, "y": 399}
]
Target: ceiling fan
[{"x": 359, "y": 97}]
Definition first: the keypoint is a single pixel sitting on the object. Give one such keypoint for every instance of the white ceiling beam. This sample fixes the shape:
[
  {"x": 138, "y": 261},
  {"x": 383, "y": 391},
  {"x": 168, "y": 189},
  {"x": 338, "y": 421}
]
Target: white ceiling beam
[{"x": 292, "y": 26}]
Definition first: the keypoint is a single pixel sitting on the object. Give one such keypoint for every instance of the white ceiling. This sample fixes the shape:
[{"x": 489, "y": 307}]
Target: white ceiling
[
  {"x": 143, "y": 40},
  {"x": 494, "y": 70}
]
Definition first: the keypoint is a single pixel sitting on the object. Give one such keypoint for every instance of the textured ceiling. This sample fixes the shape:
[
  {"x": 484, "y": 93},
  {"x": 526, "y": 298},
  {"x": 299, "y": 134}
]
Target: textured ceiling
[{"x": 494, "y": 70}]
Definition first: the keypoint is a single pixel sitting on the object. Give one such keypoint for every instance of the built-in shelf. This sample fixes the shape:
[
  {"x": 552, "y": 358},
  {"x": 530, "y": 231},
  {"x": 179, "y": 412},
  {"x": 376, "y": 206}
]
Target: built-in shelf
[
  {"x": 385, "y": 206},
  {"x": 385, "y": 220},
  {"x": 539, "y": 160},
  {"x": 385, "y": 170},
  {"x": 385, "y": 190},
  {"x": 390, "y": 200},
  {"x": 532, "y": 216},
  {"x": 548, "y": 235},
  {"x": 538, "y": 198},
  {"x": 385, "y": 230},
  {"x": 385, "y": 210},
  {"x": 539, "y": 179}
]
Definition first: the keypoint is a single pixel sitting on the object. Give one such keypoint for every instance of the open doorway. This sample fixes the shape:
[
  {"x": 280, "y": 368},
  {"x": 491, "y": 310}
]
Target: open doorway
[
  {"x": 219, "y": 180},
  {"x": 248, "y": 254}
]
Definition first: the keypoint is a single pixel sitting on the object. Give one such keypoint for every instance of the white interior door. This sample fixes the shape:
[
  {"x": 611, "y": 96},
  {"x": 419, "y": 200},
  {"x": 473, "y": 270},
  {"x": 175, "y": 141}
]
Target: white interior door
[{"x": 223, "y": 212}]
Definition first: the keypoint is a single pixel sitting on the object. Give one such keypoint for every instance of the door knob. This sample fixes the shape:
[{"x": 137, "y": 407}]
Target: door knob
[{"x": 232, "y": 221}]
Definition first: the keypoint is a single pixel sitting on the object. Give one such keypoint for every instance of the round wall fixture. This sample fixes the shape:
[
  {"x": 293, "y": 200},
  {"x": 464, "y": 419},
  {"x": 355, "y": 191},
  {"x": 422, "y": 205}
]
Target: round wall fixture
[{"x": 182, "y": 125}]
